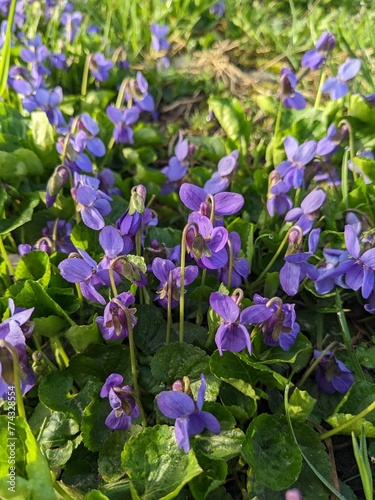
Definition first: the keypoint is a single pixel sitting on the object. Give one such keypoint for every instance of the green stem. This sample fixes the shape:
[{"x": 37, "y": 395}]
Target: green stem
[
  {"x": 169, "y": 308},
  {"x": 112, "y": 278},
  {"x": 182, "y": 276},
  {"x": 347, "y": 337},
  {"x": 351, "y": 145},
  {"x": 16, "y": 375},
  {"x": 344, "y": 179},
  {"x": 230, "y": 264},
  {"x": 199, "y": 316},
  {"x": 85, "y": 76},
  {"x": 5, "y": 257},
  {"x": 278, "y": 118},
  {"x": 60, "y": 354},
  {"x": 315, "y": 364},
  {"x": 321, "y": 81},
  {"x": 349, "y": 423}
]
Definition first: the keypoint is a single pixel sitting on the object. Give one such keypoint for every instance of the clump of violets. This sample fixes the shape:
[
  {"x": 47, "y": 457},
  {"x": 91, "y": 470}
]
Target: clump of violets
[
  {"x": 170, "y": 280},
  {"x": 100, "y": 67},
  {"x": 288, "y": 94},
  {"x": 337, "y": 86},
  {"x": 298, "y": 156},
  {"x": 276, "y": 320},
  {"x": 179, "y": 163},
  {"x": 159, "y": 42},
  {"x": 180, "y": 405},
  {"x": 122, "y": 401},
  {"x": 113, "y": 325},
  {"x": 315, "y": 58},
  {"x": 232, "y": 334},
  {"x": 331, "y": 374}
]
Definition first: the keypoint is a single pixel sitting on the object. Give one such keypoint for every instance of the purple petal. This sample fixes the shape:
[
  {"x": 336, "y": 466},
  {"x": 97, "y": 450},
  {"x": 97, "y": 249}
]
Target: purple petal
[
  {"x": 86, "y": 195},
  {"x": 368, "y": 281},
  {"x": 293, "y": 214},
  {"x": 329, "y": 84},
  {"x": 123, "y": 422},
  {"x": 368, "y": 258},
  {"x": 305, "y": 153},
  {"x": 284, "y": 167},
  {"x": 174, "y": 404},
  {"x": 90, "y": 293},
  {"x": 291, "y": 146},
  {"x": 349, "y": 69},
  {"x": 312, "y": 59},
  {"x": 226, "y": 165},
  {"x": 111, "y": 241},
  {"x": 339, "y": 90},
  {"x": 219, "y": 238},
  {"x": 182, "y": 434},
  {"x": 75, "y": 270},
  {"x": 354, "y": 277},
  {"x": 233, "y": 338},
  {"x": 228, "y": 203},
  {"x": 192, "y": 196},
  {"x": 216, "y": 184},
  {"x": 255, "y": 314},
  {"x": 217, "y": 261},
  {"x": 201, "y": 392},
  {"x": 114, "y": 114},
  {"x": 224, "y": 306},
  {"x": 343, "y": 382},
  {"x": 313, "y": 240},
  {"x": 313, "y": 201},
  {"x": 351, "y": 241},
  {"x": 114, "y": 380},
  {"x": 195, "y": 424},
  {"x": 210, "y": 422},
  {"x": 290, "y": 277},
  {"x": 161, "y": 269},
  {"x": 92, "y": 219},
  {"x": 181, "y": 150},
  {"x": 96, "y": 147}
]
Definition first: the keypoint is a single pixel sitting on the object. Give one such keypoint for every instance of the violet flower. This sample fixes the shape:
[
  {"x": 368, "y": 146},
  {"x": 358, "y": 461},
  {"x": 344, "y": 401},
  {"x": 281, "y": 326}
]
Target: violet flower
[
  {"x": 292, "y": 170},
  {"x": 337, "y": 86},
  {"x": 218, "y": 9},
  {"x": 221, "y": 179},
  {"x": 86, "y": 136},
  {"x": 207, "y": 245},
  {"x": 296, "y": 267},
  {"x": 72, "y": 22},
  {"x": 178, "y": 164},
  {"x": 122, "y": 132},
  {"x": 55, "y": 183},
  {"x": 290, "y": 98},
  {"x": 195, "y": 198},
  {"x": 47, "y": 101},
  {"x": 100, "y": 67},
  {"x": 113, "y": 325},
  {"x": 159, "y": 41},
  {"x": 304, "y": 217},
  {"x": 232, "y": 334},
  {"x": 277, "y": 321},
  {"x": 170, "y": 280},
  {"x": 314, "y": 58},
  {"x": 92, "y": 203},
  {"x": 332, "y": 375},
  {"x": 277, "y": 199},
  {"x": 328, "y": 145},
  {"x": 328, "y": 275},
  {"x": 190, "y": 419},
  {"x": 123, "y": 403},
  {"x": 241, "y": 268},
  {"x": 59, "y": 233},
  {"x": 82, "y": 269}
]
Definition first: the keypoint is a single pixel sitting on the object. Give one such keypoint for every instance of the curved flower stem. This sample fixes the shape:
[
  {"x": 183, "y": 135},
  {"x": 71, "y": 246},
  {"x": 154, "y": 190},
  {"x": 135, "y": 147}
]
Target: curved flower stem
[
  {"x": 344, "y": 179},
  {"x": 6, "y": 258},
  {"x": 60, "y": 354},
  {"x": 347, "y": 337},
  {"x": 169, "y": 308},
  {"x": 16, "y": 374},
  {"x": 182, "y": 276},
  {"x": 112, "y": 278},
  {"x": 349, "y": 423},
  {"x": 272, "y": 261},
  {"x": 321, "y": 81},
  {"x": 85, "y": 76},
  {"x": 315, "y": 363},
  {"x": 230, "y": 264},
  {"x": 351, "y": 146},
  {"x": 278, "y": 118},
  {"x": 199, "y": 316}
]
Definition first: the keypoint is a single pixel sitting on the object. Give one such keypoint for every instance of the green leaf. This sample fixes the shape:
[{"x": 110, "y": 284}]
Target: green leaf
[
  {"x": 99, "y": 361},
  {"x": 32, "y": 472},
  {"x": 213, "y": 476},
  {"x": 94, "y": 430},
  {"x": 85, "y": 238},
  {"x": 358, "y": 398},
  {"x": 271, "y": 452},
  {"x": 33, "y": 164},
  {"x": 43, "y": 136},
  {"x": 276, "y": 354},
  {"x": 96, "y": 495},
  {"x": 34, "y": 266},
  {"x": 11, "y": 167},
  {"x": 366, "y": 166},
  {"x": 233, "y": 120},
  {"x": 34, "y": 295},
  {"x": 49, "y": 327},
  {"x": 150, "y": 331},
  {"x": 223, "y": 446},
  {"x": 55, "y": 392},
  {"x": 110, "y": 454},
  {"x": 301, "y": 405},
  {"x": 156, "y": 466},
  {"x": 170, "y": 237},
  {"x": 177, "y": 360},
  {"x": 26, "y": 209},
  {"x": 81, "y": 336},
  {"x": 147, "y": 136}
]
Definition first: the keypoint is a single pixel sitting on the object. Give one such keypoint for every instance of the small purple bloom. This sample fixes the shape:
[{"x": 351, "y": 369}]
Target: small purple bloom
[
  {"x": 232, "y": 334},
  {"x": 314, "y": 58},
  {"x": 296, "y": 267},
  {"x": 59, "y": 232},
  {"x": 218, "y": 9},
  {"x": 178, "y": 164},
  {"x": 328, "y": 275},
  {"x": 72, "y": 22},
  {"x": 337, "y": 86},
  {"x": 304, "y": 217},
  {"x": 190, "y": 419},
  {"x": 113, "y": 325},
  {"x": 292, "y": 170},
  {"x": 159, "y": 41},
  {"x": 207, "y": 245},
  {"x": 170, "y": 280},
  {"x": 122, "y": 401},
  {"x": 277, "y": 200},
  {"x": 331, "y": 143},
  {"x": 288, "y": 94},
  {"x": 221, "y": 179},
  {"x": 332, "y": 375},
  {"x": 277, "y": 321},
  {"x": 123, "y": 133},
  {"x": 100, "y": 67}
]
